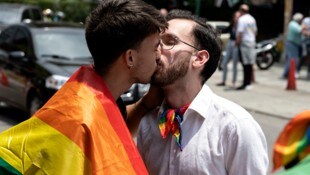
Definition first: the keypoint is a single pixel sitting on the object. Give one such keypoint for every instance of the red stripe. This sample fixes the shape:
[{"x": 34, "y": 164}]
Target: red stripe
[{"x": 97, "y": 86}]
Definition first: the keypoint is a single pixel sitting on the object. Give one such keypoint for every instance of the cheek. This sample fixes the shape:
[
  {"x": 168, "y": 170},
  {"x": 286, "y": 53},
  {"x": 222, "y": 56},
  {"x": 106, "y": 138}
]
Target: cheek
[{"x": 148, "y": 61}]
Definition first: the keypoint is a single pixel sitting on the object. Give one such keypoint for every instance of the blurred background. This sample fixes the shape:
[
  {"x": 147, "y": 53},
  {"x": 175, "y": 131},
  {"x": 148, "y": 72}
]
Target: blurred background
[{"x": 272, "y": 15}]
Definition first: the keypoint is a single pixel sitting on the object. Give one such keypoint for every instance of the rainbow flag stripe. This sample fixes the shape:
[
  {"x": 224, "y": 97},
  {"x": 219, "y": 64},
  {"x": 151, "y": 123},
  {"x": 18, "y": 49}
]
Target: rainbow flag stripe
[
  {"x": 293, "y": 141},
  {"x": 84, "y": 134},
  {"x": 170, "y": 121}
]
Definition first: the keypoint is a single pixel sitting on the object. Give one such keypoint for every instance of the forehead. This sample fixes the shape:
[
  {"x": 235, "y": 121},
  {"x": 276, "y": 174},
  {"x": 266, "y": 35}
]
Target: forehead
[
  {"x": 150, "y": 41},
  {"x": 180, "y": 27}
]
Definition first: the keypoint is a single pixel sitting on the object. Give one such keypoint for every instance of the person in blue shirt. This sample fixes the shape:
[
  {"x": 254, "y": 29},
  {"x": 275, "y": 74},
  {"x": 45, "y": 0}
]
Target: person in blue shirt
[{"x": 293, "y": 42}]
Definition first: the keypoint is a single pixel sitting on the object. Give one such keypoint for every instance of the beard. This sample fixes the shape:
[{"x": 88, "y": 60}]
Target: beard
[{"x": 164, "y": 76}]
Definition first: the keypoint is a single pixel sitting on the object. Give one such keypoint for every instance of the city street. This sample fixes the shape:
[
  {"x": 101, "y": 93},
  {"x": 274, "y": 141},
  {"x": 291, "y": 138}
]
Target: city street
[
  {"x": 268, "y": 94},
  {"x": 268, "y": 101}
]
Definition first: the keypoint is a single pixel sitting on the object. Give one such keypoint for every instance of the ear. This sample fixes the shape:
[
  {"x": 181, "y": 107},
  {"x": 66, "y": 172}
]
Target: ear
[
  {"x": 129, "y": 58},
  {"x": 201, "y": 58}
]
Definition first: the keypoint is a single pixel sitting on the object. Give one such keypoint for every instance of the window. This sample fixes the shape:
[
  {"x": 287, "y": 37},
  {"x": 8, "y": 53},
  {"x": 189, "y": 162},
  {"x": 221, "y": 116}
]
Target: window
[
  {"x": 5, "y": 38},
  {"x": 20, "y": 41},
  {"x": 36, "y": 15},
  {"x": 26, "y": 15}
]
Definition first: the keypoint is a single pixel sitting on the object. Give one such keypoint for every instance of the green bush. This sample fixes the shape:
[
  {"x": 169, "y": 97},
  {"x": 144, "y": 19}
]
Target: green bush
[{"x": 74, "y": 10}]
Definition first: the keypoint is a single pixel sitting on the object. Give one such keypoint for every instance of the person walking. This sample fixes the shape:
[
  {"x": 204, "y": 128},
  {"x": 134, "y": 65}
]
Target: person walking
[
  {"x": 195, "y": 131},
  {"x": 231, "y": 51},
  {"x": 81, "y": 130},
  {"x": 293, "y": 43},
  {"x": 246, "y": 41},
  {"x": 305, "y": 44}
]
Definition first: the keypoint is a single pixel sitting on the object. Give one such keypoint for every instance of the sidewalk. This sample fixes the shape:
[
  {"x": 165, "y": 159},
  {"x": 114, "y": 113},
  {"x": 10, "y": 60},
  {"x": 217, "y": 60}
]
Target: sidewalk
[{"x": 268, "y": 94}]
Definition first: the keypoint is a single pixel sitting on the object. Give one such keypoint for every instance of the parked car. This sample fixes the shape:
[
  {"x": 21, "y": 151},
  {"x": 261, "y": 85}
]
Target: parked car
[
  {"x": 36, "y": 59},
  {"x": 11, "y": 13}
]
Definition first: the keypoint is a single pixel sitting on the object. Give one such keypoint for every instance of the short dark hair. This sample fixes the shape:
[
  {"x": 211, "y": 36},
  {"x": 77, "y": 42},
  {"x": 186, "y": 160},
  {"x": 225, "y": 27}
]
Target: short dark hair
[
  {"x": 115, "y": 26},
  {"x": 206, "y": 38}
]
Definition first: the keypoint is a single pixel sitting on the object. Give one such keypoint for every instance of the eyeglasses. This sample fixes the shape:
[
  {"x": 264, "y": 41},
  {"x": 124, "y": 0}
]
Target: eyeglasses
[{"x": 168, "y": 41}]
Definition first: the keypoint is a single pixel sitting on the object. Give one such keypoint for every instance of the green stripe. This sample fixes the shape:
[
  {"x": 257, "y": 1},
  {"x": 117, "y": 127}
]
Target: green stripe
[
  {"x": 7, "y": 169},
  {"x": 304, "y": 142}
]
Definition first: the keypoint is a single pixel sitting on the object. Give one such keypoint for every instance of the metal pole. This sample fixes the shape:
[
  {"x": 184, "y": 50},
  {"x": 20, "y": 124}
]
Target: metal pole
[{"x": 288, "y": 10}]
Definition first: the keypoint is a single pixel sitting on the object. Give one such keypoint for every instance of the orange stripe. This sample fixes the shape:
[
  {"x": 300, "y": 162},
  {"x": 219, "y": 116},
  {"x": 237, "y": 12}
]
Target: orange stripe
[
  {"x": 89, "y": 128},
  {"x": 95, "y": 83}
]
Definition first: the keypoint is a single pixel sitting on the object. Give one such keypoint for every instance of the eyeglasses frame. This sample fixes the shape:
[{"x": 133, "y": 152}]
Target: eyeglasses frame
[{"x": 176, "y": 38}]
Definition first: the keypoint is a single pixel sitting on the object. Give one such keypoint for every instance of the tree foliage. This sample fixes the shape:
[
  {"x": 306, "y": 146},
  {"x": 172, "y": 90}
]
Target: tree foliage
[{"x": 74, "y": 10}]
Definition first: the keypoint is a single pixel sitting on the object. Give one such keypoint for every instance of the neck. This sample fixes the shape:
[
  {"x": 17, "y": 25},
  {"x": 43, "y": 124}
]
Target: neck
[{"x": 181, "y": 92}]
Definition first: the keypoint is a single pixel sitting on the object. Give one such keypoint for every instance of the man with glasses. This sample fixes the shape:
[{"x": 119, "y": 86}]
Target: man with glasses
[{"x": 195, "y": 131}]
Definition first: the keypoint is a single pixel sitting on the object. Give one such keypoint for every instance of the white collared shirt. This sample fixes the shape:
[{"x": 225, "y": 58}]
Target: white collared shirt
[{"x": 218, "y": 137}]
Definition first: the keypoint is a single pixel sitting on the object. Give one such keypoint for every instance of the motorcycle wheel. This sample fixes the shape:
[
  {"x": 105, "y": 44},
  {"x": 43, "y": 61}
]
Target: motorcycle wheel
[{"x": 264, "y": 61}]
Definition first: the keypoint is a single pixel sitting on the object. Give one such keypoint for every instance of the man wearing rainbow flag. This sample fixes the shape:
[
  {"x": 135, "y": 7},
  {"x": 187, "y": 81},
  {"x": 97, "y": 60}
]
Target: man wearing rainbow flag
[
  {"x": 202, "y": 133},
  {"x": 80, "y": 130}
]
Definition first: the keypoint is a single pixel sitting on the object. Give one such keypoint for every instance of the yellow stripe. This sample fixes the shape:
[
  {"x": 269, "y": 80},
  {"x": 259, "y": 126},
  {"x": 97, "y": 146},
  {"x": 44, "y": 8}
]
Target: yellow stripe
[
  {"x": 42, "y": 150},
  {"x": 288, "y": 152}
]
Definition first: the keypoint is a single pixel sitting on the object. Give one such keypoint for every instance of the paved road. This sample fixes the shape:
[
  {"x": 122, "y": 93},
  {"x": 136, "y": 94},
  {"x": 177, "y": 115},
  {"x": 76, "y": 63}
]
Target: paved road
[
  {"x": 271, "y": 126},
  {"x": 269, "y": 94}
]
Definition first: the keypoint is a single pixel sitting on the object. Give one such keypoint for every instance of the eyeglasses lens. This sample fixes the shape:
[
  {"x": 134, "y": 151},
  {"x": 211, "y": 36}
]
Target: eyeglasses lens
[{"x": 167, "y": 42}]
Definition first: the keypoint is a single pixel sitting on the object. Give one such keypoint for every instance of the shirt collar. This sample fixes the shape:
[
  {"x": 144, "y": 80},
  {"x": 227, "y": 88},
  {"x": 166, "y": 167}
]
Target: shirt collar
[
  {"x": 202, "y": 101},
  {"x": 200, "y": 104}
]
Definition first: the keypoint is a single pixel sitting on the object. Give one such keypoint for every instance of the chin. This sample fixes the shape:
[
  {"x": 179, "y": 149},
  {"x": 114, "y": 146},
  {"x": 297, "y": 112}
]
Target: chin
[{"x": 146, "y": 80}]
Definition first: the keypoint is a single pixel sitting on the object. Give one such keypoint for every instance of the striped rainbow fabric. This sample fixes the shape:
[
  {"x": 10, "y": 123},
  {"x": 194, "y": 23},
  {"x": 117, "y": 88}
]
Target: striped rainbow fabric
[
  {"x": 293, "y": 142},
  {"x": 80, "y": 130},
  {"x": 170, "y": 121}
]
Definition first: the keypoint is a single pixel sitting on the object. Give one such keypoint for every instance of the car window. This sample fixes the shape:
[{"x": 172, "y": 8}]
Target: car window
[
  {"x": 7, "y": 34},
  {"x": 5, "y": 37},
  {"x": 36, "y": 15},
  {"x": 26, "y": 15},
  {"x": 20, "y": 41},
  {"x": 71, "y": 45}
]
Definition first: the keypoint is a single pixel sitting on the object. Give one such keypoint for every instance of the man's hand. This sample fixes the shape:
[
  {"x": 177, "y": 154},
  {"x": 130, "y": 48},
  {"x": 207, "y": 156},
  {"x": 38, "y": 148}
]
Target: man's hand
[{"x": 145, "y": 104}]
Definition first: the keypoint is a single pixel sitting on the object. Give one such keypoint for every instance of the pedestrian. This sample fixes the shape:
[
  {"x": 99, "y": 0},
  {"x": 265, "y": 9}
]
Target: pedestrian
[
  {"x": 305, "y": 44},
  {"x": 246, "y": 41},
  {"x": 163, "y": 11},
  {"x": 48, "y": 15},
  {"x": 231, "y": 51},
  {"x": 293, "y": 43},
  {"x": 80, "y": 130},
  {"x": 195, "y": 131}
]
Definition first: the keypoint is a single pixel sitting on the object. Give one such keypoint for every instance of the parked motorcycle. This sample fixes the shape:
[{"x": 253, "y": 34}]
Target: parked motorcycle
[{"x": 267, "y": 53}]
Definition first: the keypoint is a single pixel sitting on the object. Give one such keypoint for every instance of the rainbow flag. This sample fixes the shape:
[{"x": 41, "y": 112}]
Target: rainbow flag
[
  {"x": 292, "y": 144},
  {"x": 170, "y": 121},
  {"x": 302, "y": 168},
  {"x": 80, "y": 130}
]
